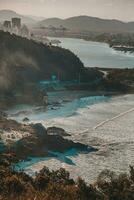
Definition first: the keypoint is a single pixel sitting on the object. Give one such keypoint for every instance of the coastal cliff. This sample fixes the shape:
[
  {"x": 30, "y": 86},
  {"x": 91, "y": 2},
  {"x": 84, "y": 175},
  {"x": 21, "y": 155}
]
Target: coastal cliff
[{"x": 23, "y": 63}]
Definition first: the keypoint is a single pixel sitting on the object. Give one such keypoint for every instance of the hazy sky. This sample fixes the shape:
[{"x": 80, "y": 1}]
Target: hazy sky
[{"x": 119, "y": 9}]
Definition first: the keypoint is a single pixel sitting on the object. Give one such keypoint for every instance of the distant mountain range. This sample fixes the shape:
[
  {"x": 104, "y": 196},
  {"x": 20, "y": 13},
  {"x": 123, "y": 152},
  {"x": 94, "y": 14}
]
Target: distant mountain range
[
  {"x": 36, "y": 18},
  {"x": 8, "y": 14},
  {"x": 78, "y": 23},
  {"x": 86, "y": 23}
]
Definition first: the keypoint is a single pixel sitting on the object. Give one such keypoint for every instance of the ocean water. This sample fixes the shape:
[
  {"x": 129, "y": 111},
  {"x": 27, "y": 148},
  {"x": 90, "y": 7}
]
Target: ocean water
[
  {"x": 63, "y": 107},
  {"x": 105, "y": 123},
  {"x": 96, "y": 54}
]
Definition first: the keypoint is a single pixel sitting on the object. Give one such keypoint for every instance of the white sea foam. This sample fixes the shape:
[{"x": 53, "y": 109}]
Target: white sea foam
[{"x": 114, "y": 139}]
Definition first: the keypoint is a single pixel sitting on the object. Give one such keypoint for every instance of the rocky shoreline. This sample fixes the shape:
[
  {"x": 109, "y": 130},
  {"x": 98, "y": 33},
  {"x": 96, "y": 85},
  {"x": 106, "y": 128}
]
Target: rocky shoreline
[{"x": 34, "y": 140}]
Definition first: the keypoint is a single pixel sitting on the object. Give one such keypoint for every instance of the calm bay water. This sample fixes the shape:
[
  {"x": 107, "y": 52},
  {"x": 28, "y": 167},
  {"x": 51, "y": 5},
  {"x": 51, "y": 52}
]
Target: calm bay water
[{"x": 96, "y": 54}]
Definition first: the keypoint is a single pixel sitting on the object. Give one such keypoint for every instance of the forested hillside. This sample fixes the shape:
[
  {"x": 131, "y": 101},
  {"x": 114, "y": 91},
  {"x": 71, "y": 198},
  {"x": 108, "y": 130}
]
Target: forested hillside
[{"x": 24, "y": 62}]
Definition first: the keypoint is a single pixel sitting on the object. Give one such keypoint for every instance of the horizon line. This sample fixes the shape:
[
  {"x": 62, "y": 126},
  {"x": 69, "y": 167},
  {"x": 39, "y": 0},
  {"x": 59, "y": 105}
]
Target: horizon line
[{"x": 82, "y": 15}]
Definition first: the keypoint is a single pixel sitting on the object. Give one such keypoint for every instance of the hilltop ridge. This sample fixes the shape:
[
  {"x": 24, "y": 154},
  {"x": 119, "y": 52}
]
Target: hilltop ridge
[{"x": 88, "y": 23}]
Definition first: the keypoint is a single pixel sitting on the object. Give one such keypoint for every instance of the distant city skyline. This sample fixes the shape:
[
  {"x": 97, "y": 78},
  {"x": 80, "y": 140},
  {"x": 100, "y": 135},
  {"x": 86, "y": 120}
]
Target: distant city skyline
[{"x": 107, "y": 9}]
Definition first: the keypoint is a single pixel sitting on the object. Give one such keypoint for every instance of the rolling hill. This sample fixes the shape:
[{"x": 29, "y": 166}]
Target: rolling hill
[{"x": 86, "y": 23}]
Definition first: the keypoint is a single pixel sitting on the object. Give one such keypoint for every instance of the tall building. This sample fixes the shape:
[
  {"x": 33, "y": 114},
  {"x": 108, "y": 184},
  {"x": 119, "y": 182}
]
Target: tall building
[
  {"x": 16, "y": 23},
  {"x": 1, "y": 26},
  {"x": 25, "y": 31},
  {"x": 7, "y": 26}
]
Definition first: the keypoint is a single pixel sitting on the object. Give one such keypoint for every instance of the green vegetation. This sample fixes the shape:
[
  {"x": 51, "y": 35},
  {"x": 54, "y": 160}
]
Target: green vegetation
[
  {"x": 35, "y": 61},
  {"x": 122, "y": 39},
  {"x": 125, "y": 76},
  {"x": 57, "y": 185},
  {"x": 26, "y": 60},
  {"x": 119, "y": 41},
  {"x": 23, "y": 63}
]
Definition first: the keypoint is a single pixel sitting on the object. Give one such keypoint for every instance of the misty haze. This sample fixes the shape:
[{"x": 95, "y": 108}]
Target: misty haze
[{"x": 66, "y": 100}]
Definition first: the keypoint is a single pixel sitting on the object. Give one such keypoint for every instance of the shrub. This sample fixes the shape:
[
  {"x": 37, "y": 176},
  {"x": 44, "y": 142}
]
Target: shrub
[{"x": 14, "y": 185}]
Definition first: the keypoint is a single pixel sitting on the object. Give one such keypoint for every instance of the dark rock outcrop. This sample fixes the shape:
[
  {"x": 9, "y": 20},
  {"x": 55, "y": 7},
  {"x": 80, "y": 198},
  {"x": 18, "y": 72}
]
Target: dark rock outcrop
[
  {"x": 39, "y": 142},
  {"x": 36, "y": 145},
  {"x": 40, "y": 130},
  {"x": 26, "y": 119},
  {"x": 57, "y": 131}
]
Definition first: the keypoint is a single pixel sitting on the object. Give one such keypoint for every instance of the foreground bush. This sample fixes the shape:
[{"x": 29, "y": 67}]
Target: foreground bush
[{"x": 57, "y": 185}]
